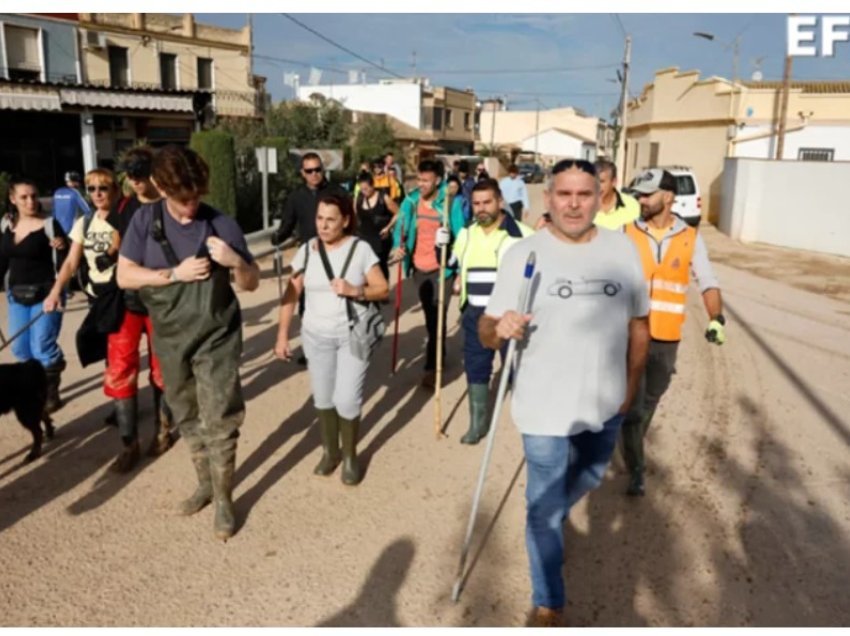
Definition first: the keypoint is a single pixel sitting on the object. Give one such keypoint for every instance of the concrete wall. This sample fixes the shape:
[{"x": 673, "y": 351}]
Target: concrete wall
[
  {"x": 836, "y": 137},
  {"x": 402, "y": 101},
  {"x": 786, "y": 203},
  {"x": 58, "y": 45}
]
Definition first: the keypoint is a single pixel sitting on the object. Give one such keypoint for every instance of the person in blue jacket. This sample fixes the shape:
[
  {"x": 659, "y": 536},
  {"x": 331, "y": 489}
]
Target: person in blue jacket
[
  {"x": 68, "y": 202},
  {"x": 417, "y": 237}
]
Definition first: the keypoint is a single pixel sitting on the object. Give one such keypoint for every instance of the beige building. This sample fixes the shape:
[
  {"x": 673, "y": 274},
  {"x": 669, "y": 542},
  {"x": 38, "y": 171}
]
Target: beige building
[
  {"x": 507, "y": 129},
  {"x": 681, "y": 119},
  {"x": 169, "y": 52}
]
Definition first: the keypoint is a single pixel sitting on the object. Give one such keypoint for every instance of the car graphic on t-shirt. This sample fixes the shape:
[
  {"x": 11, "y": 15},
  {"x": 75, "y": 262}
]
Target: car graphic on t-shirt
[{"x": 564, "y": 288}]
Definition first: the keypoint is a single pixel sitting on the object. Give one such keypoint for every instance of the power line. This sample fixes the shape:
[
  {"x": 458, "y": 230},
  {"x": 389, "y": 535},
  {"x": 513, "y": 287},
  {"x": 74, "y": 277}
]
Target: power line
[
  {"x": 271, "y": 58},
  {"x": 554, "y": 69},
  {"x": 340, "y": 47},
  {"x": 620, "y": 24},
  {"x": 543, "y": 94}
]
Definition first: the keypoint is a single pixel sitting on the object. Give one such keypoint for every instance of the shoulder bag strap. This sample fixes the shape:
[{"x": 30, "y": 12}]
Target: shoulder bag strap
[{"x": 158, "y": 235}]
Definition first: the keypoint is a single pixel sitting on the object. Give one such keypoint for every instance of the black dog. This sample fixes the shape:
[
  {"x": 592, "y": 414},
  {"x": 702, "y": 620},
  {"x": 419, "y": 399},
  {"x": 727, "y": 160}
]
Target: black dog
[{"x": 23, "y": 389}]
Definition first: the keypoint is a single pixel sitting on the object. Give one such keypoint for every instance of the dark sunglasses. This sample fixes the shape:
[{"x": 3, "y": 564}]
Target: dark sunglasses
[
  {"x": 311, "y": 170},
  {"x": 568, "y": 164},
  {"x": 101, "y": 188}
]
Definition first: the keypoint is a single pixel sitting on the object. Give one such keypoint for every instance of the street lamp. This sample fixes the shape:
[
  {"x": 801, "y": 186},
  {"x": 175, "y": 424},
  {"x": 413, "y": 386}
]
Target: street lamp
[{"x": 735, "y": 45}]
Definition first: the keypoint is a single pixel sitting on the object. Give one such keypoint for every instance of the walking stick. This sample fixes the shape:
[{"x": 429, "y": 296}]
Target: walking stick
[
  {"x": 399, "y": 274},
  {"x": 278, "y": 264},
  {"x": 20, "y": 331},
  {"x": 441, "y": 327},
  {"x": 522, "y": 307}
]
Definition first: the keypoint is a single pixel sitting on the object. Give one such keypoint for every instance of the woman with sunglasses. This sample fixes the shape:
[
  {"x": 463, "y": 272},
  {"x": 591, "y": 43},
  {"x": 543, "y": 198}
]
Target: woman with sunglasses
[
  {"x": 94, "y": 248},
  {"x": 31, "y": 247}
]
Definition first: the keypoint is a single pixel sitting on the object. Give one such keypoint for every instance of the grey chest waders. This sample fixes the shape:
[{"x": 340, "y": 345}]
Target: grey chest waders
[{"x": 197, "y": 335}]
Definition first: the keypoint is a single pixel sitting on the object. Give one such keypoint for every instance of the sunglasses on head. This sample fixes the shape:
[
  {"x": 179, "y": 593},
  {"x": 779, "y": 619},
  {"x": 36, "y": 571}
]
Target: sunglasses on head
[
  {"x": 100, "y": 188},
  {"x": 568, "y": 164},
  {"x": 311, "y": 170}
]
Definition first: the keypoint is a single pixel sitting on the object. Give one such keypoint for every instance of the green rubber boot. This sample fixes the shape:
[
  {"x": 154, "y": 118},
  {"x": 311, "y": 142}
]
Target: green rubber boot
[
  {"x": 222, "y": 466},
  {"x": 350, "y": 467},
  {"x": 479, "y": 425},
  {"x": 203, "y": 493},
  {"x": 329, "y": 430}
]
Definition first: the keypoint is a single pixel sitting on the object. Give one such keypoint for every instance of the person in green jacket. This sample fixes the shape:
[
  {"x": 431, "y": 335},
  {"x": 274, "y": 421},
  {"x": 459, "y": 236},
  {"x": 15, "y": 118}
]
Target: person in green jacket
[{"x": 417, "y": 238}]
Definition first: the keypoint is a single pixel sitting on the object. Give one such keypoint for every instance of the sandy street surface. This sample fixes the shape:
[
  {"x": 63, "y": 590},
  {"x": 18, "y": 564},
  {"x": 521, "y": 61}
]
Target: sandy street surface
[{"x": 746, "y": 521}]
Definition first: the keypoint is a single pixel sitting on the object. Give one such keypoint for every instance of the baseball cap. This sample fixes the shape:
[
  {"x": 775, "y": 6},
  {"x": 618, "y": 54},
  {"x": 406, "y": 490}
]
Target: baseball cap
[
  {"x": 73, "y": 175},
  {"x": 652, "y": 180}
]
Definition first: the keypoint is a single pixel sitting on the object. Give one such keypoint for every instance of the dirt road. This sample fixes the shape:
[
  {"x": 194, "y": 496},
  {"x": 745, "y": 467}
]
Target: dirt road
[{"x": 746, "y": 519}]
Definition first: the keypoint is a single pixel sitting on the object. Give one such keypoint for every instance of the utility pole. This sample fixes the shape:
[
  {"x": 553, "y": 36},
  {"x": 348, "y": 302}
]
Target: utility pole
[
  {"x": 624, "y": 111},
  {"x": 783, "y": 107},
  {"x": 250, "y": 50},
  {"x": 536, "y": 131}
]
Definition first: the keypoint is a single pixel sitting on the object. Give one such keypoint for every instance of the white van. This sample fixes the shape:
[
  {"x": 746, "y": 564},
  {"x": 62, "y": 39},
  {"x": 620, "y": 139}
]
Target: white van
[{"x": 688, "y": 203}]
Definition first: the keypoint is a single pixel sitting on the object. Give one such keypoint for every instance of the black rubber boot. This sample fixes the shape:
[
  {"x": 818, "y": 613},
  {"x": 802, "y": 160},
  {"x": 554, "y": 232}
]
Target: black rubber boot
[
  {"x": 479, "y": 425},
  {"x": 349, "y": 430},
  {"x": 202, "y": 496},
  {"x": 163, "y": 425},
  {"x": 54, "y": 379},
  {"x": 127, "y": 414},
  {"x": 329, "y": 430}
]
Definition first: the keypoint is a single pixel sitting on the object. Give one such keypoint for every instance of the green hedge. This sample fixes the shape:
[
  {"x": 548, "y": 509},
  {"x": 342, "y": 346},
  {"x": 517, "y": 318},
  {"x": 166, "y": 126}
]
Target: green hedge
[{"x": 217, "y": 149}]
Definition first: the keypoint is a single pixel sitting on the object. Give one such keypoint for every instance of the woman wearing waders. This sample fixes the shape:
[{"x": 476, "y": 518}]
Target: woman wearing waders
[
  {"x": 31, "y": 248},
  {"x": 179, "y": 253},
  {"x": 376, "y": 216},
  {"x": 336, "y": 374},
  {"x": 113, "y": 315}
]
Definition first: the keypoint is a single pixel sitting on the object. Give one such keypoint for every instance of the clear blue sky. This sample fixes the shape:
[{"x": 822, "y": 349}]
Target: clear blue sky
[{"x": 463, "y": 43}]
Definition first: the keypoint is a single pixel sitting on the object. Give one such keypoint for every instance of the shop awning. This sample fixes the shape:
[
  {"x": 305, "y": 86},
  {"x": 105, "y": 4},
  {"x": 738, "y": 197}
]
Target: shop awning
[
  {"x": 35, "y": 100},
  {"x": 126, "y": 100}
]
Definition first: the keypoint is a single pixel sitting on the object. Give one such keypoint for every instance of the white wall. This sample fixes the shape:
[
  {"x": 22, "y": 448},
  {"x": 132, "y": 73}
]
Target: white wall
[
  {"x": 402, "y": 101},
  {"x": 786, "y": 203},
  {"x": 554, "y": 143},
  {"x": 812, "y": 136}
]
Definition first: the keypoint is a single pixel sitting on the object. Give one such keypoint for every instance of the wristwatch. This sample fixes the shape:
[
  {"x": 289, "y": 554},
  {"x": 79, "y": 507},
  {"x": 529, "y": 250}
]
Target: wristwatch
[{"x": 719, "y": 318}]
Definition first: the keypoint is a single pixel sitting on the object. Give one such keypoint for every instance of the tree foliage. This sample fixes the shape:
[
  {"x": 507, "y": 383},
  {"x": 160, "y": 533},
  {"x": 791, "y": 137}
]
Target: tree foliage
[{"x": 217, "y": 148}]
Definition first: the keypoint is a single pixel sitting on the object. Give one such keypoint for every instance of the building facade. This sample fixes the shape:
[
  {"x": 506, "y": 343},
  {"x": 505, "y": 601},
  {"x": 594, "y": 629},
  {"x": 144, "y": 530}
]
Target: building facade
[
  {"x": 506, "y": 130},
  {"x": 681, "y": 119},
  {"x": 78, "y": 89},
  {"x": 445, "y": 116}
]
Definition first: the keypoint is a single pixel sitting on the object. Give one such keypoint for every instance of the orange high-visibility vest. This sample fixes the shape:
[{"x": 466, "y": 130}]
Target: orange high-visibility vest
[{"x": 668, "y": 280}]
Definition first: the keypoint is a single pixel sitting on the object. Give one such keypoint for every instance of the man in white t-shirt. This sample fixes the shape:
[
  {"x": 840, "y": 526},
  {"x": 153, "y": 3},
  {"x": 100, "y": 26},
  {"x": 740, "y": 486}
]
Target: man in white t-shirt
[{"x": 582, "y": 348}]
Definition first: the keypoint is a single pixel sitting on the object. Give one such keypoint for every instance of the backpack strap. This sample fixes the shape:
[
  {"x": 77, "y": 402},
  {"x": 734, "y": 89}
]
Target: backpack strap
[
  {"x": 158, "y": 235},
  {"x": 349, "y": 257}
]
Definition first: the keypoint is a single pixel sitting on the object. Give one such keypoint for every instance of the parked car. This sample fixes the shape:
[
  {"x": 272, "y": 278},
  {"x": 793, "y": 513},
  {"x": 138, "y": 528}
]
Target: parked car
[
  {"x": 531, "y": 172},
  {"x": 565, "y": 288},
  {"x": 688, "y": 202}
]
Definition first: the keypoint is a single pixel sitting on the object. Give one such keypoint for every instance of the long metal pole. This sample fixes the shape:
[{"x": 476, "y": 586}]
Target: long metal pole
[
  {"x": 265, "y": 187},
  {"x": 522, "y": 307},
  {"x": 441, "y": 325},
  {"x": 783, "y": 108},
  {"x": 398, "y": 291},
  {"x": 536, "y": 131},
  {"x": 624, "y": 113}
]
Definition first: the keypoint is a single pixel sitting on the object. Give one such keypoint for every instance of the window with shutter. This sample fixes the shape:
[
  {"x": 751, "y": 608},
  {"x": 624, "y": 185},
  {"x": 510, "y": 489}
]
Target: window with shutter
[{"x": 22, "y": 54}]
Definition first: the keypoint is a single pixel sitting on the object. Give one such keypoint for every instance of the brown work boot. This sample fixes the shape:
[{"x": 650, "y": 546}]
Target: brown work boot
[
  {"x": 545, "y": 617},
  {"x": 162, "y": 439},
  {"x": 127, "y": 460}
]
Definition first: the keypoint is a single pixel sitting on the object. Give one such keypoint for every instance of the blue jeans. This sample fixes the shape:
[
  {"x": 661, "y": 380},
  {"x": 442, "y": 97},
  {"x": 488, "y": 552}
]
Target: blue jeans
[
  {"x": 39, "y": 342},
  {"x": 560, "y": 471}
]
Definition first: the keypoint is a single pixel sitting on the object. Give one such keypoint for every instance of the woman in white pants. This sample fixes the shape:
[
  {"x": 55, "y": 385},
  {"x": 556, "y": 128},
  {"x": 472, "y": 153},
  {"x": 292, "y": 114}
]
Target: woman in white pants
[{"x": 336, "y": 374}]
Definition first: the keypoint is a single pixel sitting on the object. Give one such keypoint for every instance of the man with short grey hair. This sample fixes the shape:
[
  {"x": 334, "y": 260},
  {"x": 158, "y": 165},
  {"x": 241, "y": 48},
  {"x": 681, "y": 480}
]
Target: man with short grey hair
[{"x": 581, "y": 353}]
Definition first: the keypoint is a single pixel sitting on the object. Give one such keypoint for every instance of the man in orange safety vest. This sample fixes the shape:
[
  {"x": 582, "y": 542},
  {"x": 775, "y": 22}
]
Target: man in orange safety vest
[{"x": 670, "y": 251}]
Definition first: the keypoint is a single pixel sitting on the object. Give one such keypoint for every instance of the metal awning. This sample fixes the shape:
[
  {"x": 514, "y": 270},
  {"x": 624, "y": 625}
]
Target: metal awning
[
  {"x": 36, "y": 100},
  {"x": 123, "y": 100}
]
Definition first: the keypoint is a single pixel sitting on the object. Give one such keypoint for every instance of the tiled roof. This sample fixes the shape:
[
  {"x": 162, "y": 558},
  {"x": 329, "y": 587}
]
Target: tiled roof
[{"x": 810, "y": 86}]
